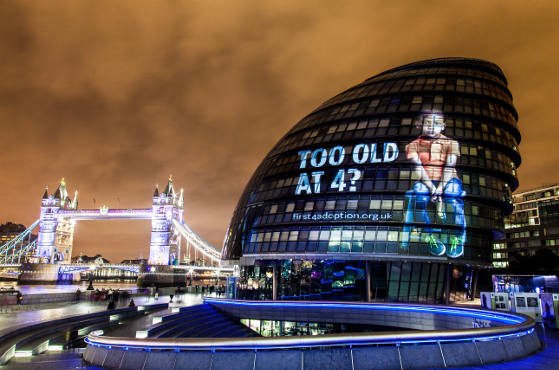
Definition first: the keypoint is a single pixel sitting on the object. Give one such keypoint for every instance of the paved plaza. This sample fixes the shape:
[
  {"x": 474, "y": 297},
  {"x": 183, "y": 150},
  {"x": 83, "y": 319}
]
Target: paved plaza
[
  {"x": 547, "y": 358},
  {"x": 53, "y": 311}
]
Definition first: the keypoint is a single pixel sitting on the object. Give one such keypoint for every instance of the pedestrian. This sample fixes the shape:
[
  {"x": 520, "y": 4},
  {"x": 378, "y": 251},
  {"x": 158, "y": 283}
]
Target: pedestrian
[
  {"x": 111, "y": 305},
  {"x": 78, "y": 294},
  {"x": 132, "y": 304},
  {"x": 19, "y": 298},
  {"x": 171, "y": 296},
  {"x": 156, "y": 295}
]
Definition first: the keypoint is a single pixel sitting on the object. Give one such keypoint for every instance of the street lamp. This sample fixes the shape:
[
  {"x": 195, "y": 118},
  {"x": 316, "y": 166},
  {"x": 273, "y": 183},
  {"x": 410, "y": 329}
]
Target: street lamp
[{"x": 90, "y": 286}]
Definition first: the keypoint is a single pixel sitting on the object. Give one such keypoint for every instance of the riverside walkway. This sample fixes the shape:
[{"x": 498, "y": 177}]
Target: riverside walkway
[
  {"x": 53, "y": 311},
  {"x": 12, "y": 321}
]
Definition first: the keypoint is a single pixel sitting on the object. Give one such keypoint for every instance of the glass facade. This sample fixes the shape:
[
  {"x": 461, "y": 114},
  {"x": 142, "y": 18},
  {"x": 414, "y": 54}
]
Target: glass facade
[
  {"x": 411, "y": 167},
  {"x": 270, "y": 328},
  {"x": 531, "y": 227}
]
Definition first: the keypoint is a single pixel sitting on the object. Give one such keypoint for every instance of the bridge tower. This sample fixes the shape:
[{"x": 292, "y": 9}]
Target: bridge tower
[
  {"x": 167, "y": 206},
  {"x": 56, "y": 234}
]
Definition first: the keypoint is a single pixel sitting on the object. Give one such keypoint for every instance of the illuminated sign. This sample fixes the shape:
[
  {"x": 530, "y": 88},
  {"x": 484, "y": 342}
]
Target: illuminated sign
[
  {"x": 435, "y": 199},
  {"x": 360, "y": 154}
]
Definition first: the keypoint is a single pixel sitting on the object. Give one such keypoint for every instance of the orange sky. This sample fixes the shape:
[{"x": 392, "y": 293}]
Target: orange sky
[{"x": 117, "y": 95}]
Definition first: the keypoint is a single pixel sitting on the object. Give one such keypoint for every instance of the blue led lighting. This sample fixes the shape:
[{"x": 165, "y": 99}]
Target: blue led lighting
[
  {"x": 343, "y": 340},
  {"x": 454, "y": 311},
  {"x": 301, "y": 344}
]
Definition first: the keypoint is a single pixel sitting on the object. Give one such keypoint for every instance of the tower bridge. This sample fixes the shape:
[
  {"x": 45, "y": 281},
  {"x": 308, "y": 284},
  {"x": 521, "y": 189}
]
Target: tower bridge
[{"x": 56, "y": 226}]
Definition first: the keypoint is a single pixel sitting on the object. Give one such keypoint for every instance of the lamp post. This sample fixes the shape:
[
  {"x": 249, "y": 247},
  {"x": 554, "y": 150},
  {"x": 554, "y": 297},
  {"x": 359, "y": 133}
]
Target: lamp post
[{"x": 90, "y": 286}]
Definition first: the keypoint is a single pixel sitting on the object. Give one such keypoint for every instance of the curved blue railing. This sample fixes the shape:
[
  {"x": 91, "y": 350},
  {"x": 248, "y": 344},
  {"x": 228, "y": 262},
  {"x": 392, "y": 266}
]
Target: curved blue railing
[
  {"x": 507, "y": 325},
  {"x": 502, "y": 317}
]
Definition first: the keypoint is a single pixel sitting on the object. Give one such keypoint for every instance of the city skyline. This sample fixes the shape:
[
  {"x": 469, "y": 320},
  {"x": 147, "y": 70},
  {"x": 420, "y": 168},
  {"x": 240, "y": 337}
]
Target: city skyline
[{"x": 115, "y": 99}]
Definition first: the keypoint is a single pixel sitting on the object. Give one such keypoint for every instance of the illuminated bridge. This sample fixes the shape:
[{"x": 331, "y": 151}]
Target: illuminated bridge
[{"x": 172, "y": 240}]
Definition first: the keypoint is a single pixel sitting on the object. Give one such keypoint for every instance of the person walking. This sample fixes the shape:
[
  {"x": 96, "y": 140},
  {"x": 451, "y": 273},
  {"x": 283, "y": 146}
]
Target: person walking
[{"x": 111, "y": 305}]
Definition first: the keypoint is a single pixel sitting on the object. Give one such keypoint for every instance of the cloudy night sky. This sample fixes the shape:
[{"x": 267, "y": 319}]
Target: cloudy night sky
[{"x": 116, "y": 95}]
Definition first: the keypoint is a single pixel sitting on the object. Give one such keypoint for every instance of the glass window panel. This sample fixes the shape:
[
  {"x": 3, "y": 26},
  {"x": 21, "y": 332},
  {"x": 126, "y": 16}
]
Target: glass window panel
[
  {"x": 358, "y": 235},
  {"x": 352, "y": 204},
  {"x": 330, "y": 205},
  {"x": 375, "y": 204},
  {"x": 347, "y": 235},
  {"x": 382, "y": 235},
  {"x": 386, "y": 204},
  {"x": 293, "y": 236},
  {"x": 335, "y": 235}
]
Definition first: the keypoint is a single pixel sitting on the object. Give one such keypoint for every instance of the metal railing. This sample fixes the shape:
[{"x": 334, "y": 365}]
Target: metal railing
[
  {"x": 200, "y": 244},
  {"x": 507, "y": 325},
  {"x": 16, "y": 248}
]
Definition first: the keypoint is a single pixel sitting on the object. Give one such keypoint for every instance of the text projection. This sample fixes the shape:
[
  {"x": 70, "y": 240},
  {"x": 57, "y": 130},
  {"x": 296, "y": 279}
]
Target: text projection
[{"x": 345, "y": 179}]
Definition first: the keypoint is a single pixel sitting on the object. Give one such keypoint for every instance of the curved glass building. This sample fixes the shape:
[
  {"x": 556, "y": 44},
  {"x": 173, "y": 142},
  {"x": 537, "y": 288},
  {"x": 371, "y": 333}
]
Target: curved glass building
[{"x": 392, "y": 190}]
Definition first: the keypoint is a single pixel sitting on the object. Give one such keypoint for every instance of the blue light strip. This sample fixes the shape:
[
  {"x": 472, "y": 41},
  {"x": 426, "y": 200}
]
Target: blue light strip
[
  {"x": 299, "y": 345},
  {"x": 504, "y": 318},
  {"x": 515, "y": 326}
]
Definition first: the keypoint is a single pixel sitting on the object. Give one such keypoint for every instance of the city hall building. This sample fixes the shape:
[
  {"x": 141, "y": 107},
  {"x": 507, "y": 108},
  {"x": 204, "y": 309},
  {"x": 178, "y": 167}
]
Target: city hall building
[{"x": 393, "y": 190}]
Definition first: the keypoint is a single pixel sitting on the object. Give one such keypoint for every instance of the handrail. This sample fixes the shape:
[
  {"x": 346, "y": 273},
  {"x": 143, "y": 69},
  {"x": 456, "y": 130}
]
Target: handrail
[
  {"x": 513, "y": 325},
  {"x": 499, "y": 316},
  {"x": 326, "y": 340}
]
